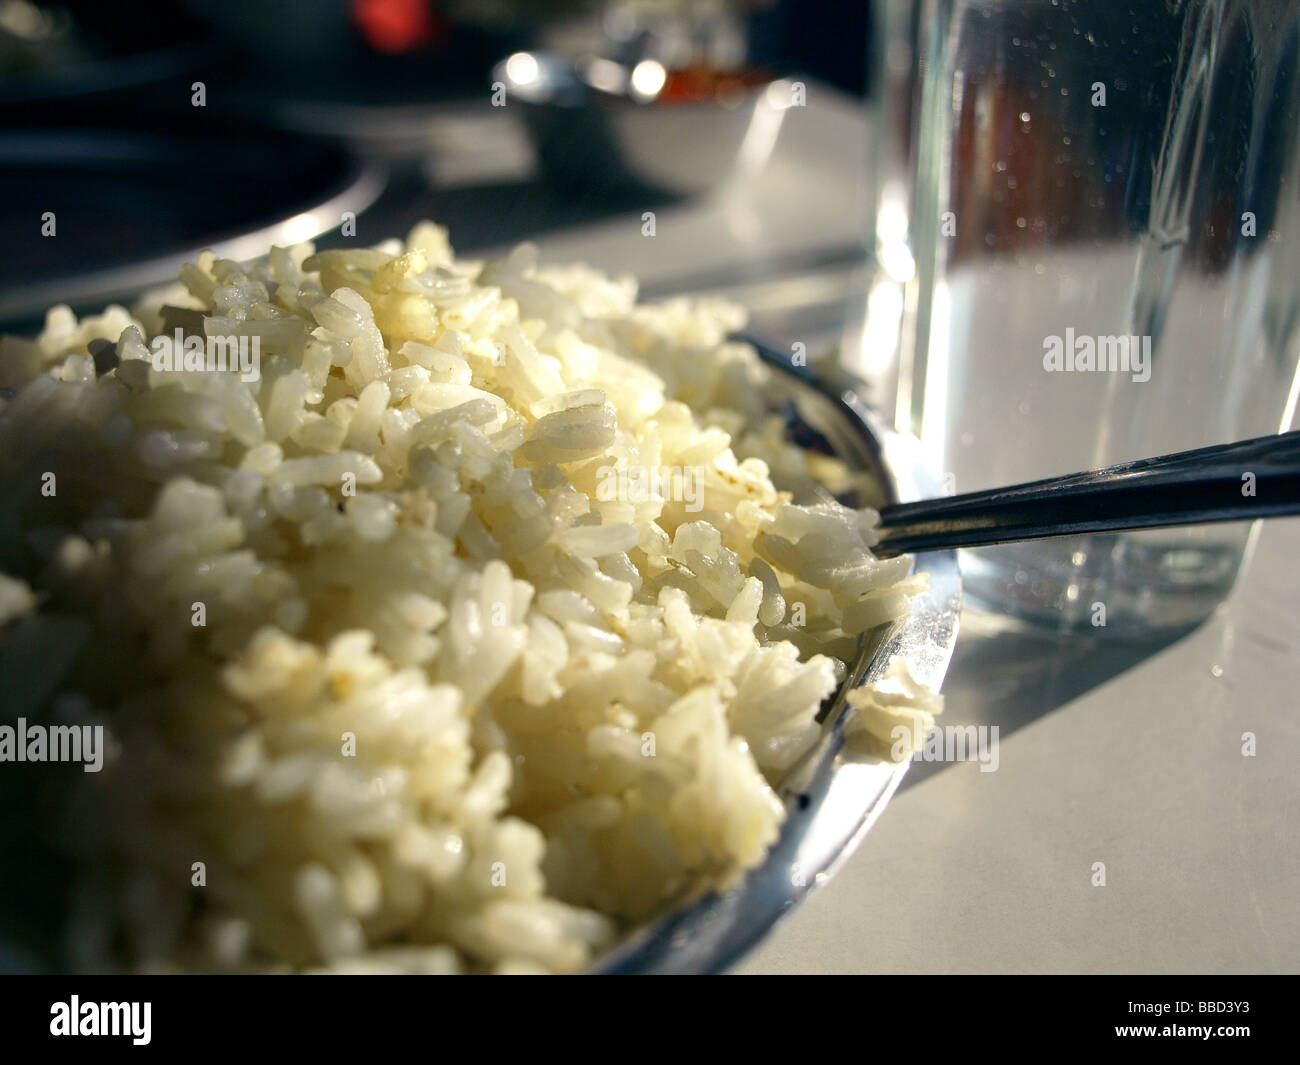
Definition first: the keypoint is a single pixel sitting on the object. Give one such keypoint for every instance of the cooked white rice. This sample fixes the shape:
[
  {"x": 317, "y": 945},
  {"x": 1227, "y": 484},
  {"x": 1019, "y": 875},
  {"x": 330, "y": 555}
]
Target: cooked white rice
[{"x": 453, "y": 704}]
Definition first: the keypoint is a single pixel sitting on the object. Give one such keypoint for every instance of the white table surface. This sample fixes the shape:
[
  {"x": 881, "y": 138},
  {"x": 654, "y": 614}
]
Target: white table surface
[
  {"x": 1122, "y": 755},
  {"x": 992, "y": 872}
]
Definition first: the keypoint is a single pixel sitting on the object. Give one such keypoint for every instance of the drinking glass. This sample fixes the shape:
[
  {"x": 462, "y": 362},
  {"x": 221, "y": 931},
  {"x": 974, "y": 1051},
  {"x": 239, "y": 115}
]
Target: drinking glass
[{"x": 1087, "y": 221}]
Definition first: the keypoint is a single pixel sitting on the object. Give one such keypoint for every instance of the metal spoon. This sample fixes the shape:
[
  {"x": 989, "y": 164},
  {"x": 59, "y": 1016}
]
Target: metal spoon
[
  {"x": 1257, "y": 478},
  {"x": 835, "y": 793},
  {"x": 1241, "y": 481}
]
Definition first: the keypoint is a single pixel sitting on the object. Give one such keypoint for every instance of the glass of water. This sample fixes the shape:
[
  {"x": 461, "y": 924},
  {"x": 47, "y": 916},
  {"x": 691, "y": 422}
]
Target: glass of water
[{"x": 1087, "y": 251}]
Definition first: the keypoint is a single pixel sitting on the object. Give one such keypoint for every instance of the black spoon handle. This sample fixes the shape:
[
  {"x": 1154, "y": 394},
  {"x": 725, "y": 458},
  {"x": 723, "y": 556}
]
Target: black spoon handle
[{"x": 1228, "y": 482}]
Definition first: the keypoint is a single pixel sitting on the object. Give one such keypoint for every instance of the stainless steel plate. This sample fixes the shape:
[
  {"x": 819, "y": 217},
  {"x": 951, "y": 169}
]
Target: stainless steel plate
[
  {"x": 101, "y": 215},
  {"x": 833, "y": 796}
]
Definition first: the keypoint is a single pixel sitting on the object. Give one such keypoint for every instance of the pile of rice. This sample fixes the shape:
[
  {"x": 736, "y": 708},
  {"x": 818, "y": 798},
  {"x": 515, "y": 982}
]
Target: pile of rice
[{"x": 392, "y": 682}]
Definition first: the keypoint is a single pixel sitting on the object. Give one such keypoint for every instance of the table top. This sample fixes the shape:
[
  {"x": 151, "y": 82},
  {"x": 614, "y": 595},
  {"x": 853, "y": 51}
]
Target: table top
[{"x": 1126, "y": 755}]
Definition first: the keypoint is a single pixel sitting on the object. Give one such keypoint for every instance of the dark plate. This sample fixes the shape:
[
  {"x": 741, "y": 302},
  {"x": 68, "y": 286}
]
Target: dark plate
[{"x": 131, "y": 206}]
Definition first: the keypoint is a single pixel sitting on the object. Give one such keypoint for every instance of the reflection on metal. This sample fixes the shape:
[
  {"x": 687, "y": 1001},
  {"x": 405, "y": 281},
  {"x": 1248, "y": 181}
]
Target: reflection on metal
[
  {"x": 522, "y": 68},
  {"x": 764, "y": 128}
]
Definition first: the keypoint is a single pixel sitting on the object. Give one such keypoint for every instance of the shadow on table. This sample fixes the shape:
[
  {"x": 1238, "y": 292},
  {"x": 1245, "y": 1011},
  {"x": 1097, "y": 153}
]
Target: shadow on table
[{"x": 1009, "y": 673}]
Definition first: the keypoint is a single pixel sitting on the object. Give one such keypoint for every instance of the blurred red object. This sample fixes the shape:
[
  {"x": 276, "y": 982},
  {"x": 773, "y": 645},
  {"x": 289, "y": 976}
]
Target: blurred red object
[
  {"x": 397, "y": 26},
  {"x": 699, "y": 84}
]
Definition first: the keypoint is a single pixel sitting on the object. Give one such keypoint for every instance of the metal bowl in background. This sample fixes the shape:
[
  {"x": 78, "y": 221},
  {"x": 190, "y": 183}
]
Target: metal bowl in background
[
  {"x": 599, "y": 125},
  {"x": 102, "y": 214},
  {"x": 88, "y": 54}
]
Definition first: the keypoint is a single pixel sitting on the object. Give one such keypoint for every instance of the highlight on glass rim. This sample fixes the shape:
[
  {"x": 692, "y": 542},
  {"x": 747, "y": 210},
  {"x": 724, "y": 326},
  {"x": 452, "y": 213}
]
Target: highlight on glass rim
[{"x": 648, "y": 487}]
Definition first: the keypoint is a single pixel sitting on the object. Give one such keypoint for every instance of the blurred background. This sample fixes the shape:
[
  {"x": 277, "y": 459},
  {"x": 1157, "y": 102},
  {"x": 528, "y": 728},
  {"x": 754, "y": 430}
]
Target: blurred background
[{"x": 137, "y": 134}]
